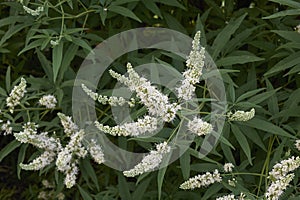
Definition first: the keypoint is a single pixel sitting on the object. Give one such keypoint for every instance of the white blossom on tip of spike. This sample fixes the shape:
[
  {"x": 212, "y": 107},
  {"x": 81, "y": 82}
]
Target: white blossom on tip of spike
[
  {"x": 202, "y": 180},
  {"x": 276, "y": 188},
  {"x": 40, "y": 162},
  {"x": 228, "y": 167},
  {"x": 195, "y": 64},
  {"x": 71, "y": 175},
  {"x": 96, "y": 152},
  {"x": 156, "y": 102},
  {"x": 35, "y": 12},
  {"x": 16, "y": 94},
  {"x": 241, "y": 115},
  {"x": 282, "y": 168},
  {"x": 199, "y": 127},
  {"x": 69, "y": 126},
  {"x": 149, "y": 162},
  {"x": 113, "y": 100},
  {"x": 147, "y": 124},
  {"x": 49, "y": 101}
]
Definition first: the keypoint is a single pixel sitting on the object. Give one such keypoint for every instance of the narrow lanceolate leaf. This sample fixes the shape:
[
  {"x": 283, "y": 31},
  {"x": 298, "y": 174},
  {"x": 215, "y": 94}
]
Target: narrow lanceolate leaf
[
  {"x": 9, "y": 148},
  {"x": 242, "y": 140},
  {"x": 242, "y": 59},
  {"x": 289, "y": 35},
  {"x": 124, "y": 11},
  {"x": 290, "y": 3},
  {"x": 283, "y": 13},
  {"x": 224, "y": 36},
  {"x": 266, "y": 126},
  {"x": 285, "y": 63},
  {"x": 85, "y": 195},
  {"x": 57, "y": 54},
  {"x": 185, "y": 165}
]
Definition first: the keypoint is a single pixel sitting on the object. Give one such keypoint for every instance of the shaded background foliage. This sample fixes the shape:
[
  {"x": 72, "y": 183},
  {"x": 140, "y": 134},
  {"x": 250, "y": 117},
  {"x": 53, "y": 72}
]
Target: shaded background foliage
[{"x": 254, "y": 44}]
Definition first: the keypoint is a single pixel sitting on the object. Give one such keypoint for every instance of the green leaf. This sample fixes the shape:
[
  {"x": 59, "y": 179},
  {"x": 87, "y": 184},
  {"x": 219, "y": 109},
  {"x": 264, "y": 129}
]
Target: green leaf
[
  {"x": 224, "y": 36},
  {"x": 88, "y": 170},
  {"x": 249, "y": 94},
  {"x": 11, "y": 31},
  {"x": 139, "y": 192},
  {"x": 290, "y": 3},
  {"x": 121, "y": 2},
  {"x": 284, "y": 64},
  {"x": 57, "y": 54},
  {"x": 174, "y": 3},
  {"x": 46, "y": 65},
  {"x": 242, "y": 140},
  {"x": 67, "y": 59},
  {"x": 283, "y": 13},
  {"x": 212, "y": 190},
  {"x": 21, "y": 157},
  {"x": 293, "y": 36},
  {"x": 123, "y": 187},
  {"x": 124, "y": 11},
  {"x": 7, "y": 79},
  {"x": 150, "y": 5},
  {"x": 252, "y": 134},
  {"x": 82, "y": 43},
  {"x": 85, "y": 195},
  {"x": 262, "y": 97},
  {"x": 242, "y": 59},
  {"x": 173, "y": 23},
  {"x": 9, "y": 148},
  {"x": 32, "y": 45},
  {"x": 266, "y": 126},
  {"x": 185, "y": 165}
]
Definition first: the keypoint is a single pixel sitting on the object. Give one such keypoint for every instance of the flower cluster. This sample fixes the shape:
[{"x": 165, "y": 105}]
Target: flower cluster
[
  {"x": 69, "y": 126},
  {"x": 156, "y": 102},
  {"x": 96, "y": 152},
  {"x": 6, "y": 128},
  {"x": 228, "y": 167},
  {"x": 284, "y": 167},
  {"x": 50, "y": 192},
  {"x": 16, "y": 94},
  {"x": 113, "y": 101},
  {"x": 241, "y": 115},
  {"x": 43, "y": 141},
  {"x": 149, "y": 162},
  {"x": 202, "y": 180},
  {"x": 48, "y": 100},
  {"x": 142, "y": 126},
  {"x": 277, "y": 187},
  {"x": 231, "y": 197},
  {"x": 67, "y": 162},
  {"x": 194, "y": 63},
  {"x": 199, "y": 127},
  {"x": 280, "y": 177},
  {"x": 35, "y": 12}
]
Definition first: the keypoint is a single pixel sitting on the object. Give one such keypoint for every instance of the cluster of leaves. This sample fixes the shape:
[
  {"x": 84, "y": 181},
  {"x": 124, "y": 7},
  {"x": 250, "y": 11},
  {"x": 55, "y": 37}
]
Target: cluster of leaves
[{"x": 254, "y": 44}]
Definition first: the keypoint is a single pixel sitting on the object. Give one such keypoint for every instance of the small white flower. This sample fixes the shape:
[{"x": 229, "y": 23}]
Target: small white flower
[
  {"x": 202, "y": 180},
  {"x": 54, "y": 42},
  {"x": 16, "y": 94},
  {"x": 149, "y": 162},
  {"x": 281, "y": 169},
  {"x": 228, "y": 167},
  {"x": 6, "y": 128},
  {"x": 232, "y": 182},
  {"x": 48, "y": 100},
  {"x": 241, "y": 115},
  {"x": 199, "y": 127},
  {"x": 39, "y": 163}
]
